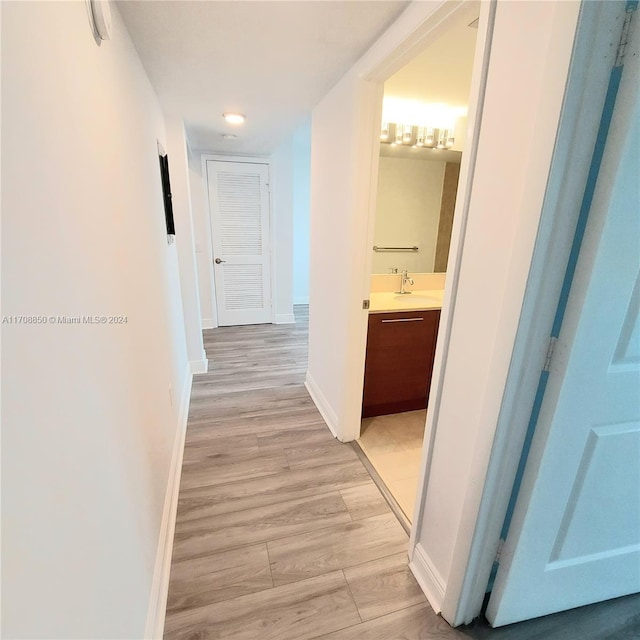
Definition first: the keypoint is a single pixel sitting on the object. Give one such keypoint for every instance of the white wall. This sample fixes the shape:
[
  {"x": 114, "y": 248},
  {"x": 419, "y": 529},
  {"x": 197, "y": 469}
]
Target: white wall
[
  {"x": 301, "y": 212},
  {"x": 290, "y": 173},
  {"x": 202, "y": 242},
  {"x": 282, "y": 232},
  {"x": 339, "y": 142},
  {"x": 407, "y": 213},
  {"x": 177, "y": 150},
  {"x": 88, "y": 424}
]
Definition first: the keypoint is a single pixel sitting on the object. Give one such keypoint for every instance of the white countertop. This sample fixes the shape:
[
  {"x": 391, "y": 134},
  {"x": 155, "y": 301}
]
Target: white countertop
[{"x": 388, "y": 301}]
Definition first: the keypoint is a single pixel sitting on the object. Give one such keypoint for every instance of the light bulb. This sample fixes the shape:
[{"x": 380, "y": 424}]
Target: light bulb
[
  {"x": 234, "y": 118},
  {"x": 450, "y": 139}
]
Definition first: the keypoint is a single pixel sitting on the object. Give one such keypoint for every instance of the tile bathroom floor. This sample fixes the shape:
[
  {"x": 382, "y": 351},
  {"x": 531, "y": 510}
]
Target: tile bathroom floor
[{"x": 393, "y": 445}]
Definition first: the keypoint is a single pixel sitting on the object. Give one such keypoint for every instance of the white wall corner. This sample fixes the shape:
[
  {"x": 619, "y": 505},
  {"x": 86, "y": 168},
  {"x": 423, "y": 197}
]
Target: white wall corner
[
  {"x": 154, "y": 628},
  {"x": 209, "y": 323},
  {"x": 284, "y": 318},
  {"x": 428, "y": 577},
  {"x": 185, "y": 240},
  {"x": 201, "y": 365},
  {"x": 322, "y": 404}
]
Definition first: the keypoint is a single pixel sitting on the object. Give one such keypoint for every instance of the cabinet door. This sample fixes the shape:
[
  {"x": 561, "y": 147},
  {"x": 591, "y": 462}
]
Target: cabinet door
[{"x": 399, "y": 361}]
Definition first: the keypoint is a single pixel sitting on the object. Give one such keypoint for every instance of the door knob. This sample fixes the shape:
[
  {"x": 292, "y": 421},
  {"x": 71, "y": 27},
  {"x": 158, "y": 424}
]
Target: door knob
[{"x": 218, "y": 261}]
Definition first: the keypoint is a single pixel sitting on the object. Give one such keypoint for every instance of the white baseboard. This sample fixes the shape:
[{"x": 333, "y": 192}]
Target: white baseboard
[
  {"x": 160, "y": 585},
  {"x": 303, "y": 300},
  {"x": 428, "y": 578},
  {"x": 284, "y": 318},
  {"x": 209, "y": 323},
  {"x": 322, "y": 405},
  {"x": 199, "y": 366}
]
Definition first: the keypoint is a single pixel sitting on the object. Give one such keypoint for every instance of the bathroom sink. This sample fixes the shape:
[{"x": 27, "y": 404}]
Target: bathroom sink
[
  {"x": 416, "y": 298},
  {"x": 390, "y": 301}
]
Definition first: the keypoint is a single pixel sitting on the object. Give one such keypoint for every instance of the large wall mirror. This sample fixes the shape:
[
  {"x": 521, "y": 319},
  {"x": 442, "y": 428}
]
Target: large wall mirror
[
  {"x": 414, "y": 209},
  {"x": 422, "y": 138}
]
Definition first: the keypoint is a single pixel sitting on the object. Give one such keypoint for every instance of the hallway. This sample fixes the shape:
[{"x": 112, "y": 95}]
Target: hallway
[{"x": 280, "y": 531}]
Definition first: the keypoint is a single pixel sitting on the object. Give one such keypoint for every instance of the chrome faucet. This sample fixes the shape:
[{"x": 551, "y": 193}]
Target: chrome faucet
[{"x": 403, "y": 283}]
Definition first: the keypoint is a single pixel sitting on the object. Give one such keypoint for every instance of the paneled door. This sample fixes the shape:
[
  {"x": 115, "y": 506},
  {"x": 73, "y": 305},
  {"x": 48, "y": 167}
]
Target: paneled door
[
  {"x": 575, "y": 534},
  {"x": 239, "y": 207}
]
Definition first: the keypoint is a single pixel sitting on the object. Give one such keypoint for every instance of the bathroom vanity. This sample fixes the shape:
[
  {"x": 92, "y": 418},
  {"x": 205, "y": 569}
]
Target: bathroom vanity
[{"x": 401, "y": 345}]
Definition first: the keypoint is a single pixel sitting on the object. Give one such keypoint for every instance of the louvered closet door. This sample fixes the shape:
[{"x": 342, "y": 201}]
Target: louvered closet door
[{"x": 239, "y": 205}]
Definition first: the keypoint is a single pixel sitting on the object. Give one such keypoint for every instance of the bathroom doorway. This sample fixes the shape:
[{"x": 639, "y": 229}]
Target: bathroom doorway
[{"x": 422, "y": 138}]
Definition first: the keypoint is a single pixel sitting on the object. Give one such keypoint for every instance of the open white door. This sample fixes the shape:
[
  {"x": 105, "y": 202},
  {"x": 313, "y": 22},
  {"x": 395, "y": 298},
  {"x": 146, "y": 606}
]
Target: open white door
[
  {"x": 575, "y": 534},
  {"x": 239, "y": 206}
]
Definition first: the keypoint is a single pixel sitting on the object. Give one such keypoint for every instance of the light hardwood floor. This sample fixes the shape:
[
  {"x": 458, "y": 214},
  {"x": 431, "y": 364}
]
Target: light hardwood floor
[{"x": 281, "y": 534}]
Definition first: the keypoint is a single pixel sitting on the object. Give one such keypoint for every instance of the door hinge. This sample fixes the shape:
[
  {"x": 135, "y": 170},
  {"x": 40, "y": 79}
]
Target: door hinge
[
  {"x": 365, "y": 304},
  {"x": 624, "y": 36},
  {"x": 499, "y": 551},
  {"x": 550, "y": 349}
]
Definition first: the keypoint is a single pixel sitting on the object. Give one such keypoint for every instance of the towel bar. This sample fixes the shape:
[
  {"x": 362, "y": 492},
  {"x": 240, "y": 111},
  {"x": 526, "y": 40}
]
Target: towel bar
[{"x": 377, "y": 248}]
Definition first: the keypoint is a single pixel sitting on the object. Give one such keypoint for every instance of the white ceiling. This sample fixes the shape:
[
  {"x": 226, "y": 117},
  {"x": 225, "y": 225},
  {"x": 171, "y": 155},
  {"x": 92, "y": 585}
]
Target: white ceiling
[
  {"x": 272, "y": 61},
  {"x": 442, "y": 72}
]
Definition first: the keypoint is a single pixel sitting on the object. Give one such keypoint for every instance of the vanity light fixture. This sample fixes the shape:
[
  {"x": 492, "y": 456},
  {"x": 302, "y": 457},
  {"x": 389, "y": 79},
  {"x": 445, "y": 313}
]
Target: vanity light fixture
[
  {"x": 234, "y": 118},
  {"x": 445, "y": 139},
  {"x": 424, "y": 138},
  {"x": 423, "y": 124}
]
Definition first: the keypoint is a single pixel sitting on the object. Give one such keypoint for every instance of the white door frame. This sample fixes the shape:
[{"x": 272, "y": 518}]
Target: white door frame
[
  {"x": 413, "y": 44},
  {"x": 484, "y": 510},
  {"x": 429, "y": 28},
  {"x": 528, "y": 549},
  {"x": 206, "y": 157},
  {"x": 583, "y": 103}
]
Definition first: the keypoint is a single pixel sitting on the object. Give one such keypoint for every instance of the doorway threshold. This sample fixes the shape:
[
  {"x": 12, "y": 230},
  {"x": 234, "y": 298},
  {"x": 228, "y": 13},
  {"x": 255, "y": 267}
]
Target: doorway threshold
[{"x": 386, "y": 494}]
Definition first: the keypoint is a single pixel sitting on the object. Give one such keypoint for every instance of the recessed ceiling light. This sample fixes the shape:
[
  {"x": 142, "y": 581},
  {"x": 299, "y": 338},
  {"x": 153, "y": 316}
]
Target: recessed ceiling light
[
  {"x": 234, "y": 118},
  {"x": 229, "y": 136}
]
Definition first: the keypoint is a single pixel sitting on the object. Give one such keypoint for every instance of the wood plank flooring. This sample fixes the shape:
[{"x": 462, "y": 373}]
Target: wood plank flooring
[{"x": 281, "y": 534}]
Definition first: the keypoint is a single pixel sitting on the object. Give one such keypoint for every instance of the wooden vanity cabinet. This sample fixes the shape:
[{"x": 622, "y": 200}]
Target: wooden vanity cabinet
[{"x": 399, "y": 362}]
